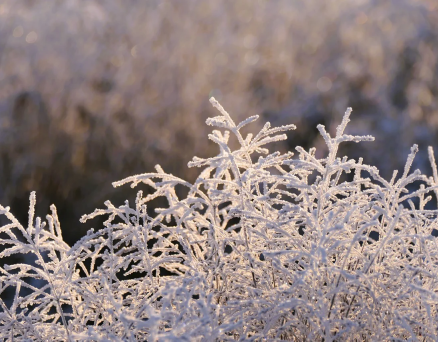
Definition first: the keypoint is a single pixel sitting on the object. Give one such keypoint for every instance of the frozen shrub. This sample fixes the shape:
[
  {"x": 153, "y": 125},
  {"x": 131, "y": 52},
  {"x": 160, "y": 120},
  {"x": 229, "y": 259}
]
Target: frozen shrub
[{"x": 264, "y": 245}]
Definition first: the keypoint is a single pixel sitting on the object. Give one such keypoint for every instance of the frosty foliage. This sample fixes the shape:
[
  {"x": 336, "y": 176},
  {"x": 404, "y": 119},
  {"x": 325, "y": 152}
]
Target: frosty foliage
[{"x": 265, "y": 246}]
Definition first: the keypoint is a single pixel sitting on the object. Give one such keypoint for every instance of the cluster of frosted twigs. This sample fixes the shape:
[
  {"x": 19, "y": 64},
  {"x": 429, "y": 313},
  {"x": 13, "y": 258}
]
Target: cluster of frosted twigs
[{"x": 263, "y": 246}]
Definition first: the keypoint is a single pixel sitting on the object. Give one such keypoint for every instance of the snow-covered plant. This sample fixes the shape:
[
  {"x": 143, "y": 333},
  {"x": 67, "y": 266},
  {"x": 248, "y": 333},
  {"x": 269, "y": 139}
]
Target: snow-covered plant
[{"x": 264, "y": 246}]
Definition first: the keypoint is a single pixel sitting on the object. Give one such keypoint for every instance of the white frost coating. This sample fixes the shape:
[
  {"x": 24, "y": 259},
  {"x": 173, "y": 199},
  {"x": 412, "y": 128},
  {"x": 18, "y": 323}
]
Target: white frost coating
[{"x": 278, "y": 249}]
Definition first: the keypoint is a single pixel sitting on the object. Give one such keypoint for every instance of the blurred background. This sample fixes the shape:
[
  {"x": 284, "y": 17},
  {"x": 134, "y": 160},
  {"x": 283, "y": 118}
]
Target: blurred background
[{"x": 94, "y": 91}]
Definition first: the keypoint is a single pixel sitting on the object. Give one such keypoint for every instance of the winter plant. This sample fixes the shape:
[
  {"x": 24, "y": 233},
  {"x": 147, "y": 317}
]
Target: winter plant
[{"x": 263, "y": 246}]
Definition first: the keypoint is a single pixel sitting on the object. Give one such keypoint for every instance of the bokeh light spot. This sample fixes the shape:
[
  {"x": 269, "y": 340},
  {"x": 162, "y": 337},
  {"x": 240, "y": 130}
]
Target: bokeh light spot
[
  {"x": 31, "y": 37},
  {"x": 324, "y": 84},
  {"x": 18, "y": 32},
  {"x": 134, "y": 51}
]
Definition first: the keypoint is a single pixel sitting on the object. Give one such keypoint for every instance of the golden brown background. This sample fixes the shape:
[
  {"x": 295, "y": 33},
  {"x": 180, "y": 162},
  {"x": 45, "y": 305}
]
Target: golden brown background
[{"x": 94, "y": 91}]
